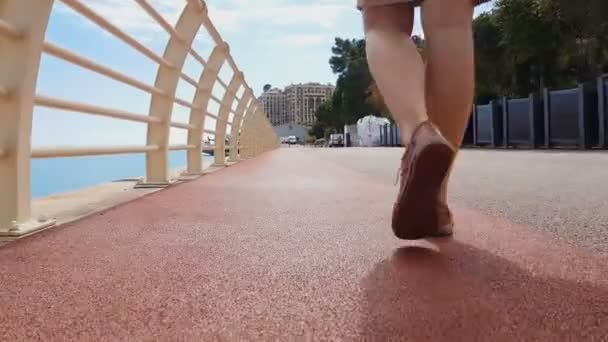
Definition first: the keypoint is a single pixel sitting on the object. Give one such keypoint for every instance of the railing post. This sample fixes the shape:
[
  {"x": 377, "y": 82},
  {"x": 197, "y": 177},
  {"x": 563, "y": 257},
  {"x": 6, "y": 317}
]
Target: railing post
[
  {"x": 19, "y": 67},
  {"x": 583, "y": 122},
  {"x": 201, "y": 102},
  {"x": 259, "y": 131},
  {"x": 236, "y": 124},
  {"x": 475, "y": 124},
  {"x": 505, "y": 122},
  {"x": 161, "y": 106},
  {"x": 263, "y": 135},
  {"x": 255, "y": 134},
  {"x": 260, "y": 135},
  {"x": 236, "y": 151},
  {"x": 493, "y": 124},
  {"x": 240, "y": 110},
  {"x": 547, "y": 116},
  {"x": 244, "y": 139},
  {"x": 532, "y": 113},
  {"x": 222, "y": 121},
  {"x": 602, "y": 110},
  {"x": 249, "y": 135}
]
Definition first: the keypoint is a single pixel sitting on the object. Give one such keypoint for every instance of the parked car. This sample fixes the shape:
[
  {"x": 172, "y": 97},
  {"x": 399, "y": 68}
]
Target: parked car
[
  {"x": 209, "y": 146},
  {"x": 336, "y": 140},
  {"x": 292, "y": 140}
]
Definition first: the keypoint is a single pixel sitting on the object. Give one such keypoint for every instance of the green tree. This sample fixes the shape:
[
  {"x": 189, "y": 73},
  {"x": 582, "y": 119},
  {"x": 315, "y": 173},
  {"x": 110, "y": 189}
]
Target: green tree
[
  {"x": 584, "y": 24},
  {"x": 349, "y": 102},
  {"x": 532, "y": 42},
  {"x": 349, "y": 62},
  {"x": 523, "y": 46},
  {"x": 355, "y": 85},
  {"x": 344, "y": 53},
  {"x": 326, "y": 114},
  {"x": 491, "y": 81},
  {"x": 356, "y": 93}
]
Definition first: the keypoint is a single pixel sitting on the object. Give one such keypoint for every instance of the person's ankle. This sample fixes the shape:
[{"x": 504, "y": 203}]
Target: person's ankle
[{"x": 406, "y": 130}]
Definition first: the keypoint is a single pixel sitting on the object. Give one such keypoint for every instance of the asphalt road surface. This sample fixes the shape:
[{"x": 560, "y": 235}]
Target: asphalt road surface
[{"x": 563, "y": 194}]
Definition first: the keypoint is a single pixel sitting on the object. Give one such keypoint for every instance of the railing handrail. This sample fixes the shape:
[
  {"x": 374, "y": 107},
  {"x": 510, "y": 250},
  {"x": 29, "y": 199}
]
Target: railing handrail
[
  {"x": 182, "y": 125},
  {"x": 250, "y": 131},
  {"x": 190, "y": 80},
  {"x": 185, "y": 103},
  {"x": 72, "y": 106},
  {"x": 69, "y": 56},
  {"x": 59, "y": 152},
  {"x": 159, "y": 19},
  {"x": 181, "y": 147},
  {"x": 115, "y": 31},
  {"x": 198, "y": 57}
]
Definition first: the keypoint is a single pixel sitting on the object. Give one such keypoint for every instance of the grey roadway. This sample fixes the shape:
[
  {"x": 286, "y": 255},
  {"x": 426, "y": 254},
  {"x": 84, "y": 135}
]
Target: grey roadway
[{"x": 563, "y": 193}]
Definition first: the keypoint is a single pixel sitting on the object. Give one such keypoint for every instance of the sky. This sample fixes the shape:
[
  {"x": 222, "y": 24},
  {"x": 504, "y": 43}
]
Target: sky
[{"x": 278, "y": 42}]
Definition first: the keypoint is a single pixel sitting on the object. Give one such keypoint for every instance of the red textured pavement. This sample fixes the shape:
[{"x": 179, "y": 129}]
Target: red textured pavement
[{"x": 291, "y": 246}]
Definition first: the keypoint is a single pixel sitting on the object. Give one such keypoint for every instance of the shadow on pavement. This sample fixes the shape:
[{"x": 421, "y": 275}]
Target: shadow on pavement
[{"x": 464, "y": 293}]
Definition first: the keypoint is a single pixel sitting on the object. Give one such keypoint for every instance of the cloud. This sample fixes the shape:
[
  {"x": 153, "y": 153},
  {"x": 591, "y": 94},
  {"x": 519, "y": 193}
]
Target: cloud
[
  {"x": 484, "y": 7},
  {"x": 231, "y": 15},
  {"x": 303, "y": 40},
  {"x": 237, "y": 15},
  {"x": 130, "y": 17}
]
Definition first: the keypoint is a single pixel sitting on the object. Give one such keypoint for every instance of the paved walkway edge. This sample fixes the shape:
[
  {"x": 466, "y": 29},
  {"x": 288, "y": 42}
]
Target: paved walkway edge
[{"x": 74, "y": 206}]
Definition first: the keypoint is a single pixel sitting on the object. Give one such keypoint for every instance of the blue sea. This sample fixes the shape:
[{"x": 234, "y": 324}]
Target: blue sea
[{"x": 53, "y": 176}]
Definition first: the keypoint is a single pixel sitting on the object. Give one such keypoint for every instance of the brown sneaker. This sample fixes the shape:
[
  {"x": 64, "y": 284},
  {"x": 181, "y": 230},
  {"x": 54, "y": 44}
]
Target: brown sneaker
[
  {"x": 445, "y": 226},
  {"x": 424, "y": 167},
  {"x": 444, "y": 214}
]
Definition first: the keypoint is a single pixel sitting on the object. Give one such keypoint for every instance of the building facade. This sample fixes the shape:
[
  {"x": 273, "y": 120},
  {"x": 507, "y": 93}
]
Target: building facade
[
  {"x": 304, "y": 99},
  {"x": 275, "y": 107},
  {"x": 297, "y": 104}
]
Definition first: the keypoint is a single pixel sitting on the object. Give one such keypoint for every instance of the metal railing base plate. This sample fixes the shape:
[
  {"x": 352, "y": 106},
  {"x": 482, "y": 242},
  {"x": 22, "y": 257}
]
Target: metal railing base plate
[
  {"x": 149, "y": 185},
  {"x": 21, "y": 230}
]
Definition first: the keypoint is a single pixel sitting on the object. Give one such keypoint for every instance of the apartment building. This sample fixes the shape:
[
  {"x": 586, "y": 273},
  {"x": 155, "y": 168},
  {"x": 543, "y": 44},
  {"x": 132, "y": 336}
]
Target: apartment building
[
  {"x": 296, "y": 104},
  {"x": 275, "y": 107},
  {"x": 304, "y": 99}
]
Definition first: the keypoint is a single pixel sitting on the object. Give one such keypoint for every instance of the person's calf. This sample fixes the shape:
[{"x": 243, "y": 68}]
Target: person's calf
[
  {"x": 449, "y": 79},
  {"x": 394, "y": 17},
  {"x": 449, "y": 65}
]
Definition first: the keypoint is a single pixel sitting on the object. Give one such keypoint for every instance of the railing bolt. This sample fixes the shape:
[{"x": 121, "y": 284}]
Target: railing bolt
[{"x": 14, "y": 227}]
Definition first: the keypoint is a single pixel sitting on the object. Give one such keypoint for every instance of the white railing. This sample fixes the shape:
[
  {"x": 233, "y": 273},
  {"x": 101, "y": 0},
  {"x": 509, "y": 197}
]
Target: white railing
[{"x": 23, "y": 25}]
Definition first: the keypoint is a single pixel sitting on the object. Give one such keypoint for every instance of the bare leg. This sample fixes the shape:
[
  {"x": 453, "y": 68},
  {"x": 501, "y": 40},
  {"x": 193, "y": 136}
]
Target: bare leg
[
  {"x": 395, "y": 64},
  {"x": 450, "y": 67}
]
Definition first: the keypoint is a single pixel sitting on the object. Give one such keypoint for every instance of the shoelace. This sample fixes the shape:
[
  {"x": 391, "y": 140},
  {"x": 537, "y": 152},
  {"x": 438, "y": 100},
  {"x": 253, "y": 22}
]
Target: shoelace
[
  {"x": 400, "y": 170},
  {"x": 397, "y": 176}
]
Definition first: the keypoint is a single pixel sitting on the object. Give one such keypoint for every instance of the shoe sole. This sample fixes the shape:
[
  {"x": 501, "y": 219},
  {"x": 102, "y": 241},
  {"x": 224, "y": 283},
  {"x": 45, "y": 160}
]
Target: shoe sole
[
  {"x": 444, "y": 231},
  {"x": 417, "y": 208}
]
